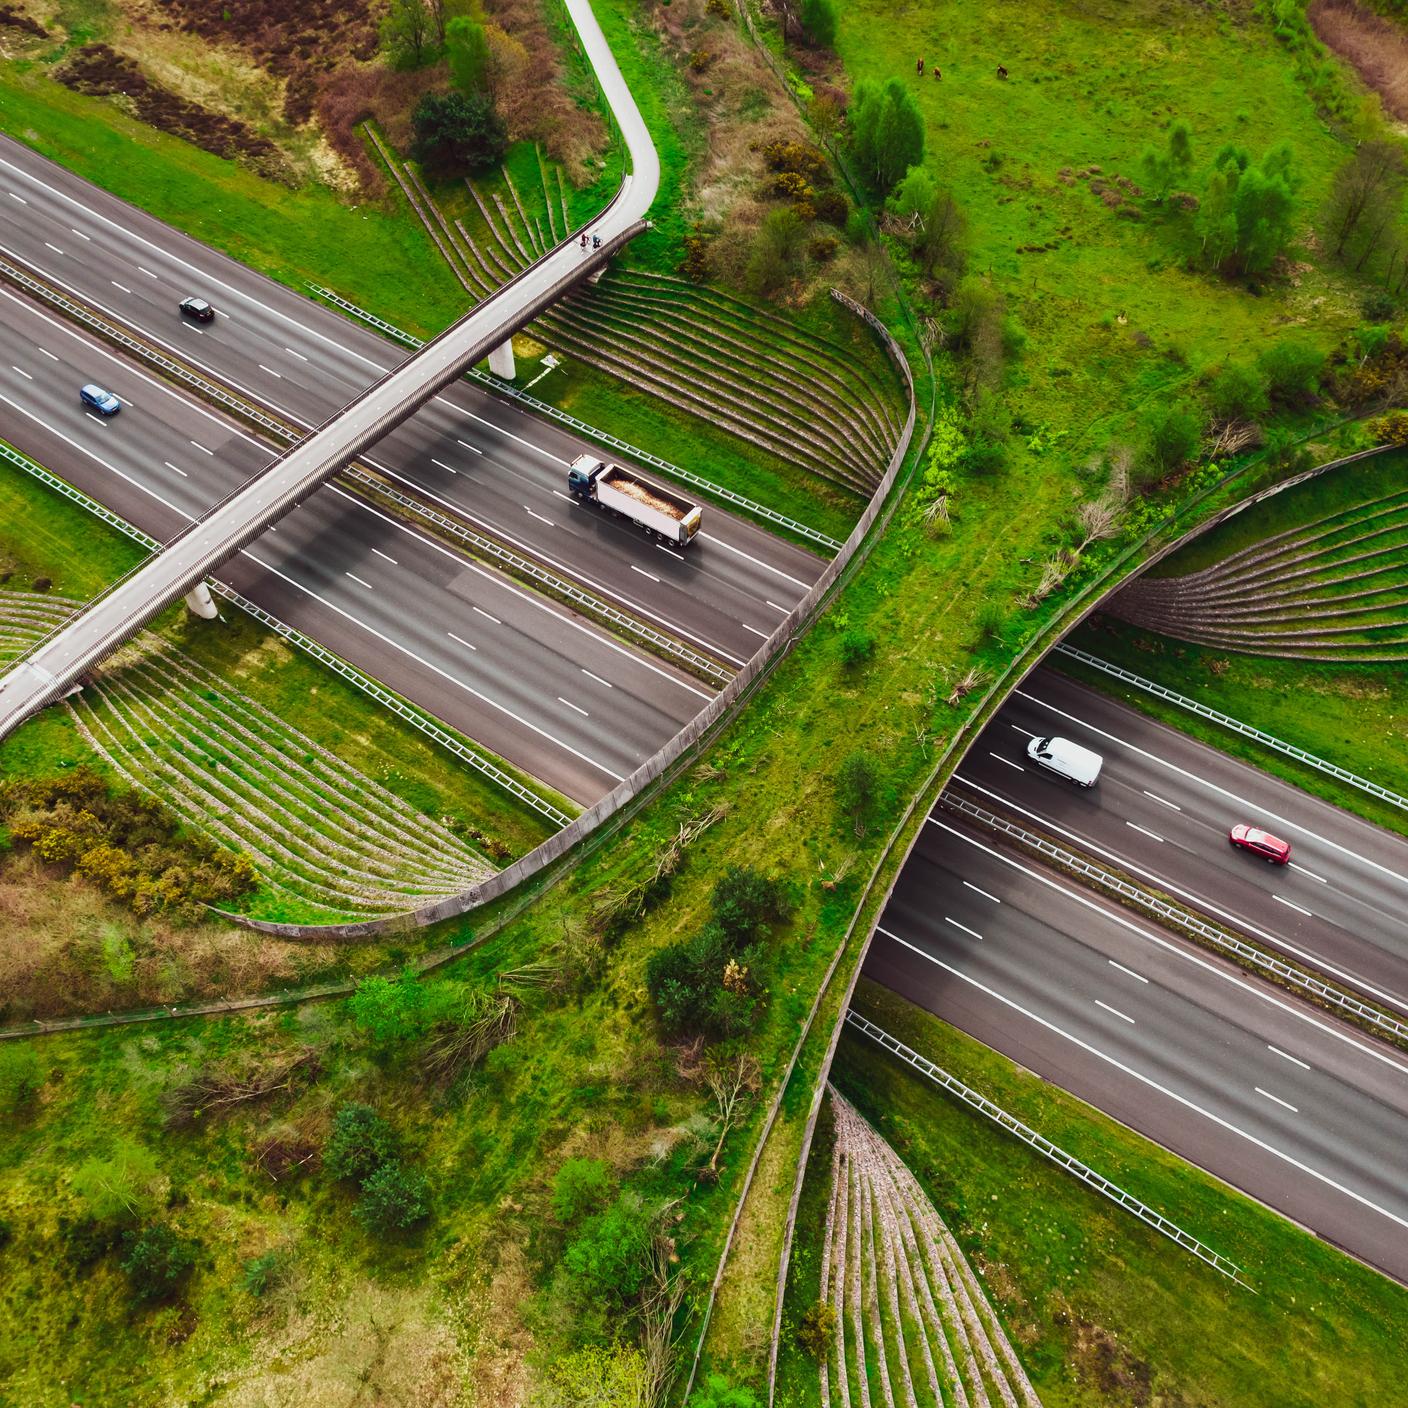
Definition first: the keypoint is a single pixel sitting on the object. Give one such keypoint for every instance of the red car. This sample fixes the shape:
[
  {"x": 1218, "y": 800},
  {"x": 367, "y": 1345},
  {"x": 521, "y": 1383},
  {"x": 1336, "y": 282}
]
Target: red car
[{"x": 1260, "y": 843}]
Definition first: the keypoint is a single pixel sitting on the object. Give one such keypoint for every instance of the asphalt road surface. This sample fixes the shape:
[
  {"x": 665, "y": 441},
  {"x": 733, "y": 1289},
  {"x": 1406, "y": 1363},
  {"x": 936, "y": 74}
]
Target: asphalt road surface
[
  {"x": 509, "y": 669},
  {"x": 486, "y": 459},
  {"x": 1162, "y": 809},
  {"x": 1309, "y": 1117}
]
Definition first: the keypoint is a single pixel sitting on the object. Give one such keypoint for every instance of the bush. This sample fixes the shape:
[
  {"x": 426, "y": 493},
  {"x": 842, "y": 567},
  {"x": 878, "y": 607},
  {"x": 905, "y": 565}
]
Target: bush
[
  {"x": 608, "y": 1260},
  {"x": 745, "y": 903},
  {"x": 21, "y": 1077},
  {"x": 121, "y": 1188},
  {"x": 467, "y": 50},
  {"x": 1292, "y": 370},
  {"x": 832, "y": 207},
  {"x": 393, "y": 1011},
  {"x": 857, "y": 648},
  {"x": 1237, "y": 392},
  {"x": 1171, "y": 434},
  {"x": 991, "y": 621},
  {"x": 817, "y": 1332},
  {"x": 581, "y": 1186},
  {"x": 685, "y": 981},
  {"x": 360, "y": 1143},
  {"x": 157, "y": 1262},
  {"x": 717, "y": 1392},
  {"x": 777, "y": 252},
  {"x": 393, "y": 1198},
  {"x": 263, "y": 1274},
  {"x": 456, "y": 132}
]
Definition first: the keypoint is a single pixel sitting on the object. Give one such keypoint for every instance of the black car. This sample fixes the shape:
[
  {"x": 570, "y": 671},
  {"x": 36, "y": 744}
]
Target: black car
[{"x": 198, "y": 309}]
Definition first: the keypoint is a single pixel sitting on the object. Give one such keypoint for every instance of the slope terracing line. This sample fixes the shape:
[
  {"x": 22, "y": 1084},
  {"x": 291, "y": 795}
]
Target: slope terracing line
[
  {"x": 913, "y": 1325},
  {"x": 319, "y": 832},
  {"x": 1333, "y": 589}
]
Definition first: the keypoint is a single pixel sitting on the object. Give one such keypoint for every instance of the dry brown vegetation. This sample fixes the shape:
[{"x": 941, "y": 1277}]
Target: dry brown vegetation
[
  {"x": 1376, "y": 47},
  {"x": 65, "y": 949}
]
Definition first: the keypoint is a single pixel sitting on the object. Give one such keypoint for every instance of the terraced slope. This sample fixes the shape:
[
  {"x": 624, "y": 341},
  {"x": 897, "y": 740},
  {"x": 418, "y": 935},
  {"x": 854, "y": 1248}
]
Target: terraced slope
[
  {"x": 328, "y": 841},
  {"x": 913, "y": 1324},
  {"x": 1333, "y": 589},
  {"x": 740, "y": 367}
]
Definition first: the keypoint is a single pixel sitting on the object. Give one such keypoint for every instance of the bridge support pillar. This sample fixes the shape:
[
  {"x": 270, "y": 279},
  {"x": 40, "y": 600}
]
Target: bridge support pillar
[
  {"x": 501, "y": 361},
  {"x": 201, "y": 603}
]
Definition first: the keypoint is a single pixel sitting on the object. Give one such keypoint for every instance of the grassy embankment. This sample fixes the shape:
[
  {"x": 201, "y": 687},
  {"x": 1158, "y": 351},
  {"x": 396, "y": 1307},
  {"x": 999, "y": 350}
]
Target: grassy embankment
[
  {"x": 39, "y": 541},
  {"x": 1102, "y": 1309},
  {"x": 588, "y": 1075},
  {"x": 1352, "y": 715}
]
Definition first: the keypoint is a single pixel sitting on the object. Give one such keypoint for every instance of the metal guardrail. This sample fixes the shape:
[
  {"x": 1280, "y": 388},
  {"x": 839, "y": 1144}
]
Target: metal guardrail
[
  {"x": 238, "y": 405},
  {"x": 1226, "y": 721},
  {"x": 308, "y": 645},
  {"x": 1342, "y": 1002},
  {"x": 542, "y": 408},
  {"x": 1043, "y": 1146}
]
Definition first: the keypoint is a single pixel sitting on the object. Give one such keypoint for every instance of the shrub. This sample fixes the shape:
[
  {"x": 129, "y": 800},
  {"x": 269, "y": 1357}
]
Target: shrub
[
  {"x": 1237, "y": 392},
  {"x": 265, "y": 1273},
  {"x": 120, "y": 1188},
  {"x": 157, "y": 1262},
  {"x": 393, "y": 1011},
  {"x": 467, "y": 50},
  {"x": 745, "y": 903},
  {"x": 991, "y": 621},
  {"x": 832, "y": 207},
  {"x": 21, "y": 1077},
  {"x": 685, "y": 980},
  {"x": 777, "y": 250},
  {"x": 857, "y": 648},
  {"x": 457, "y": 132},
  {"x": 1171, "y": 435},
  {"x": 817, "y": 1332},
  {"x": 360, "y": 1143},
  {"x": 394, "y": 1198},
  {"x": 717, "y": 1392},
  {"x": 581, "y": 1186},
  {"x": 1292, "y": 370},
  {"x": 608, "y": 1260}
]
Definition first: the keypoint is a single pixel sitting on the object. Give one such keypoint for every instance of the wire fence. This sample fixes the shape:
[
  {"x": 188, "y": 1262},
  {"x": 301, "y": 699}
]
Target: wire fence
[
  {"x": 592, "y": 432},
  {"x": 1249, "y": 955},
  {"x": 1043, "y": 1146},
  {"x": 1171, "y": 696}
]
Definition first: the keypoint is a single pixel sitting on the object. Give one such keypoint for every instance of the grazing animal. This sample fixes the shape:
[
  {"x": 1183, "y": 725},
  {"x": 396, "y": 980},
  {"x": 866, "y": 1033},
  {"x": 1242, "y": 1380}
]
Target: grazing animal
[
  {"x": 938, "y": 77},
  {"x": 919, "y": 66},
  {"x": 1001, "y": 71}
]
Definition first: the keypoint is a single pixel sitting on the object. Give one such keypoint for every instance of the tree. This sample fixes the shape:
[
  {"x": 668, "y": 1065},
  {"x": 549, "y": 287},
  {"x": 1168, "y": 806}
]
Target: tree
[
  {"x": 608, "y": 1260},
  {"x": 819, "y": 23},
  {"x": 942, "y": 241},
  {"x": 157, "y": 1261},
  {"x": 406, "y": 33},
  {"x": 456, "y": 132},
  {"x": 732, "y": 1081},
  {"x": 1248, "y": 211},
  {"x": 360, "y": 1143},
  {"x": 1237, "y": 392},
  {"x": 777, "y": 251},
  {"x": 581, "y": 1186},
  {"x": 1162, "y": 170},
  {"x": 887, "y": 132},
  {"x": 857, "y": 791},
  {"x": 394, "y": 1198},
  {"x": 914, "y": 195},
  {"x": 1366, "y": 199},
  {"x": 467, "y": 50},
  {"x": 857, "y": 647}
]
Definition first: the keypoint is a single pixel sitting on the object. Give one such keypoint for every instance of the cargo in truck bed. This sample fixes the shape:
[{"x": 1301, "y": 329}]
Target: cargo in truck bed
[{"x": 632, "y": 488}]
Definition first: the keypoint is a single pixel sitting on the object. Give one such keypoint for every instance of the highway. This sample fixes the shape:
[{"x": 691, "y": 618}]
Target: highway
[
  {"x": 1260, "y": 1090},
  {"x": 467, "y": 451},
  {"x": 508, "y": 668},
  {"x": 1161, "y": 811}
]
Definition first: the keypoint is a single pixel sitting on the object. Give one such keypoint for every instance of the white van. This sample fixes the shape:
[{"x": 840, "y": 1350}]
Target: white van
[{"x": 1066, "y": 759}]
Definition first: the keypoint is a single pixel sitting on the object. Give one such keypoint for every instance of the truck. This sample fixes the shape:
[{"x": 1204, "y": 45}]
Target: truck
[{"x": 664, "y": 515}]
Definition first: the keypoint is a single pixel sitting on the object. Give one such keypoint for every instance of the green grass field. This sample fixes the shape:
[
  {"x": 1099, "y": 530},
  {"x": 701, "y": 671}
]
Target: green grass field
[
  {"x": 1102, "y": 1309},
  {"x": 1115, "y": 321}
]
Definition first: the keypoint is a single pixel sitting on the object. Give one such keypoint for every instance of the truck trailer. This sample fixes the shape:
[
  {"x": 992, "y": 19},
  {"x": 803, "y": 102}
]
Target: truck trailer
[{"x": 663, "y": 514}]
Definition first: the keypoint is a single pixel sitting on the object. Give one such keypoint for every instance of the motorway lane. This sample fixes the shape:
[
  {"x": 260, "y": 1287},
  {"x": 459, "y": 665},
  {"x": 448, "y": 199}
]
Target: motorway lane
[
  {"x": 1162, "y": 809},
  {"x": 504, "y": 666},
  {"x": 488, "y": 460},
  {"x": 1267, "y": 1094}
]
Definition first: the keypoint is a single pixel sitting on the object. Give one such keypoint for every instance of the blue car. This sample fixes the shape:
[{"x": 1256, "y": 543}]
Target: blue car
[{"x": 104, "y": 402}]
